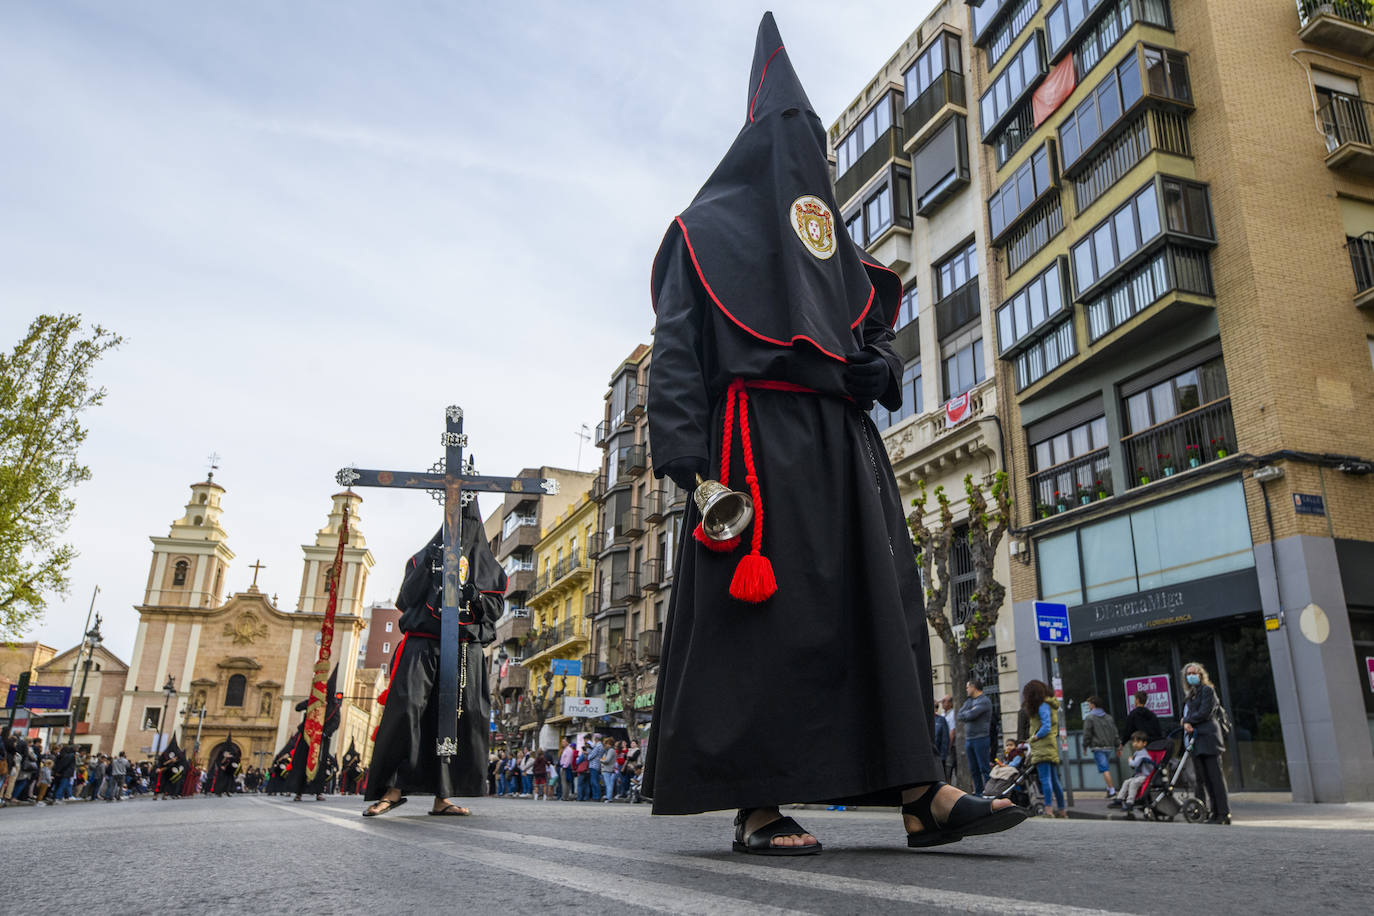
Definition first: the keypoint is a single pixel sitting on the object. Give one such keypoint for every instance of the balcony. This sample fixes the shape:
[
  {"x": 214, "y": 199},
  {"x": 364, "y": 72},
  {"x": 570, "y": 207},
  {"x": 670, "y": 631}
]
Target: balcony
[
  {"x": 603, "y": 432},
  {"x": 633, "y": 460},
  {"x": 1172, "y": 269},
  {"x": 677, "y": 499},
  {"x": 596, "y": 544},
  {"x": 632, "y": 523},
  {"x": 598, "y": 488},
  {"x": 943, "y": 97},
  {"x": 1362, "y": 263},
  {"x": 651, "y": 575},
  {"x": 519, "y": 582},
  {"x": 624, "y": 588},
  {"x": 636, "y": 398},
  {"x": 524, "y": 536},
  {"x": 1078, "y": 482},
  {"x": 907, "y": 344},
  {"x": 569, "y": 567},
  {"x": 517, "y": 678},
  {"x": 1345, "y": 120},
  {"x": 871, "y": 161},
  {"x": 957, "y": 309},
  {"x": 512, "y": 628},
  {"x": 590, "y": 606},
  {"x": 650, "y": 645},
  {"x": 1181, "y": 443},
  {"x": 1341, "y": 25},
  {"x": 655, "y": 507}
]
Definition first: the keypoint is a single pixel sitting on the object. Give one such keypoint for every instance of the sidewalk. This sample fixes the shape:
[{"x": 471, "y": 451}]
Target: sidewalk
[{"x": 1255, "y": 809}]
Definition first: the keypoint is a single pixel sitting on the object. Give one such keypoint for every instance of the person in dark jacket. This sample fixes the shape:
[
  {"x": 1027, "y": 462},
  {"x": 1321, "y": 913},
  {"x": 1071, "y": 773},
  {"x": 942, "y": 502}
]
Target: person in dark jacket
[
  {"x": 976, "y": 714},
  {"x": 1199, "y": 721},
  {"x": 1142, "y": 719},
  {"x": 1101, "y": 739},
  {"x": 942, "y": 737},
  {"x": 63, "y": 771}
]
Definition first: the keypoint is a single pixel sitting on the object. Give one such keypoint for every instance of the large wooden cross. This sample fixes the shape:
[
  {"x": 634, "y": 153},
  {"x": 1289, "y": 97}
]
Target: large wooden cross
[{"x": 455, "y": 484}]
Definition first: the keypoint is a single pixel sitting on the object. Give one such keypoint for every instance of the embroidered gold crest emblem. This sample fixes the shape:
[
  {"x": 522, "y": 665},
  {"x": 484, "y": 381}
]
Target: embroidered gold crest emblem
[{"x": 815, "y": 225}]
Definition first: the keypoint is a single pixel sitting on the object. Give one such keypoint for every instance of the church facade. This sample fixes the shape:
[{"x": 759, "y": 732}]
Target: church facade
[{"x": 237, "y": 664}]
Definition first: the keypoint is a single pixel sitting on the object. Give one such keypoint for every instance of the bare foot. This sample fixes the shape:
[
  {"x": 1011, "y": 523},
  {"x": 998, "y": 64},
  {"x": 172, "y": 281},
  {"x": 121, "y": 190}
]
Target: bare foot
[
  {"x": 762, "y": 817},
  {"x": 941, "y": 805}
]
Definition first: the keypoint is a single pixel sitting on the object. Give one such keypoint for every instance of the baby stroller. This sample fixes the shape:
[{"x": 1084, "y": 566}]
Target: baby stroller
[
  {"x": 1168, "y": 792},
  {"x": 1020, "y": 783}
]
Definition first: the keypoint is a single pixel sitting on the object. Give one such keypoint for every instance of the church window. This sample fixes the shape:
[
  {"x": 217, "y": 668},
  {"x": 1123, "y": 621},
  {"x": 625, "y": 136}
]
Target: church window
[
  {"x": 233, "y": 694},
  {"x": 199, "y": 519},
  {"x": 202, "y": 499},
  {"x": 179, "y": 573}
]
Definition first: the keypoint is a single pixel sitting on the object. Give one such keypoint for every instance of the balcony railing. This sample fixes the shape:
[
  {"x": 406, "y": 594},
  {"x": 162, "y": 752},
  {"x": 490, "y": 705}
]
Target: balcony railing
[
  {"x": 1361, "y": 250},
  {"x": 633, "y": 459},
  {"x": 957, "y": 309},
  {"x": 517, "y": 678},
  {"x": 603, "y": 432},
  {"x": 908, "y": 341},
  {"x": 655, "y": 507},
  {"x": 636, "y": 398},
  {"x": 1080, "y": 481},
  {"x": 1346, "y": 122},
  {"x": 947, "y": 89},
  {"x": 632, "y": 523},
  {"x": 520, "y": 582},
  {"x": 624, "y": 588},
  {"x": 1173, "y": 269},
  {"x": 598, "y": 488},
  {"x": 1345, "y": 25},
  {"x": 651, "y": 574},
  {"x": 650, "y": 645},
  {"x": 590, "y": 606},
  {"x": 1186, "y": 441},
  {"x": 596, "y": 544},
  {"x": 591, "y": 665},
  {"x": 512, "y": 628}
]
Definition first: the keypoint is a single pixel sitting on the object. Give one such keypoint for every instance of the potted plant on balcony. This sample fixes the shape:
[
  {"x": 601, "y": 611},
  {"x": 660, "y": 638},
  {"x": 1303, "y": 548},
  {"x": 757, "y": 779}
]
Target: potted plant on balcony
[
  {"x": 1102, "y": 490},
  {"x": 1061, "y": 502},
  {"x": 1194, "y": 455},
  {"x": 1045, "y": 510},
  {"x": 1220, "y": 448},
  {"x": 1085, "y": 495},
  {"x": 1144, "y": 478},
  {"x": 1166, "y": 461}
]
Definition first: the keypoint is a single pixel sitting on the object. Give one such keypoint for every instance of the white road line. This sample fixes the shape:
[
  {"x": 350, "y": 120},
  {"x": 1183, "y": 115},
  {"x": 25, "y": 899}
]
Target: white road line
[
  {"x": 796, "y": 877},
  {"x": 651, "y": 895}
]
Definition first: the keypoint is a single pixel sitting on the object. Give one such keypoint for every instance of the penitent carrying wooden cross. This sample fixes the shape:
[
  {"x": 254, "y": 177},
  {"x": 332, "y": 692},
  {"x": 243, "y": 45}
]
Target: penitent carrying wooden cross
[{"x": 453, "y": 484}]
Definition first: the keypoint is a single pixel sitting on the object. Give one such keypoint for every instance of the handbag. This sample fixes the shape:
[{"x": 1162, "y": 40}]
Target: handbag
[{"x": 583, "y": 766}]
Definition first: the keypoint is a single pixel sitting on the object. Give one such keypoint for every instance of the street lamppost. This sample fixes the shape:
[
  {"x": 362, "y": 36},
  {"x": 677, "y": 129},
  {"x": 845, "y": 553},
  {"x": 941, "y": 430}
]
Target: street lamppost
[
  {"x": 199, "y": 713},
  {"x": 93, "y": 640},
  {"x": 169, "y": 690}
]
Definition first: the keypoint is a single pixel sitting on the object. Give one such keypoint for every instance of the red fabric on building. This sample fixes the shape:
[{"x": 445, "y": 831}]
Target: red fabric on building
[{"x": 1057, "y": 87}]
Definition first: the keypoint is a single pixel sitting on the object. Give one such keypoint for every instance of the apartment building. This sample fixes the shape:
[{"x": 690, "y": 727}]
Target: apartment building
[
  {"x": 907, "y": 187},
  {"x": 560, "y": 603},
  {"x": 635, "y": 545},
  {"x": 1178, "y": 199},
  {"x": 522, "y": 517}
]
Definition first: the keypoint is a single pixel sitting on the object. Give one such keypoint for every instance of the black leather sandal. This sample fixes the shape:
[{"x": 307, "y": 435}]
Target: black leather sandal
[
  {"x": 760, "y": 842},
  {"x": 970, "y": 816}
]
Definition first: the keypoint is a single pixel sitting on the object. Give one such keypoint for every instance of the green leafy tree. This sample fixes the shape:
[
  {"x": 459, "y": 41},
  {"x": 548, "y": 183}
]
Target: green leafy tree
[
  {"x": 989, "y": 516},
  {"x": 45, "y": 387}
]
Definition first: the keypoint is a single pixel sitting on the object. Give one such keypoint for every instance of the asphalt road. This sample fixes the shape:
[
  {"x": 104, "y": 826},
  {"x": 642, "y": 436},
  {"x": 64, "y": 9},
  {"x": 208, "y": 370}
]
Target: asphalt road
[{"x": 250, "y": 855}]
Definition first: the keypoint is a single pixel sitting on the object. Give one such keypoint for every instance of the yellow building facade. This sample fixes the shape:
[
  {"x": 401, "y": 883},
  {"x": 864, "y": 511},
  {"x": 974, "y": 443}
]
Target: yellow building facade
[{"x": 563, "y": 589}]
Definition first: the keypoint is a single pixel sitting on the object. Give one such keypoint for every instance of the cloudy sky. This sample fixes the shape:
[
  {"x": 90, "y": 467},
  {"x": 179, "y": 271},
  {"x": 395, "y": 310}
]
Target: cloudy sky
[{"x": 318, "y": 223}]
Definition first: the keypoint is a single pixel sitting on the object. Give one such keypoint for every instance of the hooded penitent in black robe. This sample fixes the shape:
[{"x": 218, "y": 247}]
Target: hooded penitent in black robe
[
  {"x": 277, "y": 773},
  {"x": 762, "y": 298},
  {"x": 171, "y": 770},
  {"x": 403, "y": 753},
  {"x": 352, "y": 769},
  {"x": 297, "y": 781},
  {"x": 224, "y": 772}
]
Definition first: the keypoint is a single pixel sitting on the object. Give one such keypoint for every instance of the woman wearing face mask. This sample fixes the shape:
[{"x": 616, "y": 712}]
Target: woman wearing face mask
[{"x": 1199, "y": 721}]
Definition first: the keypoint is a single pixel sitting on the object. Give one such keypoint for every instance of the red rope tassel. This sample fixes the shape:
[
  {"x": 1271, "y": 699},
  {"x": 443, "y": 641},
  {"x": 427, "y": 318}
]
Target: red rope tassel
[{"x": 754, "y": 581}]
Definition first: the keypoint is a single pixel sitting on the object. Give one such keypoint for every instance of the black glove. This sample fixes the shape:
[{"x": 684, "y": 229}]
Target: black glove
[
  {"x": 684, "y": 471},
  {"x": 468, "y": 593},
  {"x": 866, "y": 375}
]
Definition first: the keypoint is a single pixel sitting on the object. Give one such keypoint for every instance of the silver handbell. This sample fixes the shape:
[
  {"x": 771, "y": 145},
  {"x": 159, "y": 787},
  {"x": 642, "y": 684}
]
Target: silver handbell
[{"x": 725, "y": 513}]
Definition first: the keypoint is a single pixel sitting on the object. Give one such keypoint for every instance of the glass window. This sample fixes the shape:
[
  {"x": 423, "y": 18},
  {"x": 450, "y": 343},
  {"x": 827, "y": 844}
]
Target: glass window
[
  {"x": 1102, "y": 247},
  {"x": 1036, "y": 295},
  {"x": 963, "y": 369},
  {"x": 1083, "y": 273},
  {"x": 855, "y": 227},
  {"x": 1128, "y": 74},
  {"x": 1016, "y": 79},
  {"x": 1058, "y": 565},
  {"x": 1126, "y": 236},
  {"x": 1218, "y": 539},
  {"x": 1109, "y": 567},
  {"x": 1147, "y": 209},
  {"x": 866, "y": 133},
  {"x": 234, "y": 690},
  {"x": 1108, "y": 103},
  {"x": 956, "y": 270},
  {"x": 1155, "y": 75},
  {"x": 878, "y": 213}
]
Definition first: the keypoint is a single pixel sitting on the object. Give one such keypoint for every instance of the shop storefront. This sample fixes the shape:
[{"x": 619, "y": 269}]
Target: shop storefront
[{"x": 1151, "y": 590}]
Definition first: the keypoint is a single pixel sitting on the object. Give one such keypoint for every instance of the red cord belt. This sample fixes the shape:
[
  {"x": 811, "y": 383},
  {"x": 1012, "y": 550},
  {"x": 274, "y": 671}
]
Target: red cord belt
[{"x": 754, "y": 581}]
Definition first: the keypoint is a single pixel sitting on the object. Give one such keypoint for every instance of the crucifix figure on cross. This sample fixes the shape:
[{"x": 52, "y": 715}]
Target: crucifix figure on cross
[{"x": 455, "y": 483}]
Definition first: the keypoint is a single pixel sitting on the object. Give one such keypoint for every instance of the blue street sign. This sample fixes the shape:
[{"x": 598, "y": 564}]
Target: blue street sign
[
  {"x": 42, "y": 696},
  {"x": 1052, "y": 622},
  {"x": 567, "y": 666}
]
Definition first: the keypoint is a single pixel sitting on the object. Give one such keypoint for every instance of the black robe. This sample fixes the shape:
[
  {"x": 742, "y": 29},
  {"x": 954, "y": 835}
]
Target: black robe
[
  {"x": 300, "y": 747},
  {"x": 403, "y": 752},
  {"x": 822, "y": 692}
]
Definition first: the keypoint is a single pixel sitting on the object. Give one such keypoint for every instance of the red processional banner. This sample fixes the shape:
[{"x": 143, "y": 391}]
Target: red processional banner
[{"x": 314, "y": 713}]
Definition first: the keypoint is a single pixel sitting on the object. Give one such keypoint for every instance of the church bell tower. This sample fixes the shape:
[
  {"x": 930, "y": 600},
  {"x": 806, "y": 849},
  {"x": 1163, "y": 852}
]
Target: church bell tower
[
  {"x": 319, "y": 558},
  {"x": 190, "y": 563}
]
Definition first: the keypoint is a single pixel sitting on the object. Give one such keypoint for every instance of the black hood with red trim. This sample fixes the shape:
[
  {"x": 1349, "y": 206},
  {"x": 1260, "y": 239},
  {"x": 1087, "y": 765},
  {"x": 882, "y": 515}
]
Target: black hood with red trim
[
  {"x": 421, "y": 594},
  {"x": 764, "y": 232}
]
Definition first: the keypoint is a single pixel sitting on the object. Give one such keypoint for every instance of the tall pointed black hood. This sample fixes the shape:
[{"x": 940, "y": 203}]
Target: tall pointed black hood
[{"x": 764, "y": 232}]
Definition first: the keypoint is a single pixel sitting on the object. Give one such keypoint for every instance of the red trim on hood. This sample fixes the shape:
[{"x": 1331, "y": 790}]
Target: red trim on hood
[
  {"x": 901, "y": 287},
  {"x": 755, "y": 97},
  {"x": 744, "y": 327}
]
